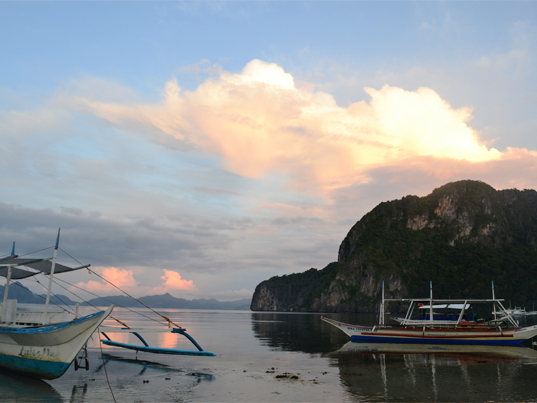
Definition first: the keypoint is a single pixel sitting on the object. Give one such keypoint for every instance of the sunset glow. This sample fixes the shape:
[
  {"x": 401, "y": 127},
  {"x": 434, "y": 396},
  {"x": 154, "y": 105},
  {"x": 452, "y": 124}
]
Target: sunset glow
[
  {"x": 217, "y": 145},
  {"x": 259, "y": 123}
]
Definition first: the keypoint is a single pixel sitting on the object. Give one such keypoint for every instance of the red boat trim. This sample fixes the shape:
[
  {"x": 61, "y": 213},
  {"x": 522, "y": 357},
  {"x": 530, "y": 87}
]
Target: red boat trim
[
  {"x": 436, "y": 337},
  {"x": 468, "y": 329}
]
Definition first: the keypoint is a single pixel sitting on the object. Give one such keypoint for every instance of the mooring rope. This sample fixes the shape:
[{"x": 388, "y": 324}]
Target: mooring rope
[{"x": 106, "y": 372}]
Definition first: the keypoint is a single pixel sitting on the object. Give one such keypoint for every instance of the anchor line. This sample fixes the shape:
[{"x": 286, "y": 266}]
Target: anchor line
[{"x": 106, "y": 372}]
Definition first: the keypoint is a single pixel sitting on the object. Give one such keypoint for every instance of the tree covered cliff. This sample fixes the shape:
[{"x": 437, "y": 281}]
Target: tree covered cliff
[{"x": 462, "y": 236}]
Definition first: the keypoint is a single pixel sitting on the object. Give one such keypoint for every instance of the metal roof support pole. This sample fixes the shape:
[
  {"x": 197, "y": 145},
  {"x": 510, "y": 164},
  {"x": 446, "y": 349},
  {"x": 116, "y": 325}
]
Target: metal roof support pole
[
  {"x": 409, "y": 313},
  {"x": 381, "y": 314},
  {"x": 431, "y": 304},
  {"x": 494, "y": 305},
  {"x": 462, "y": 312},
  {"x": 8, "y": 280},
  {"x": 50, "y": 277},
  {"x": 6, "y": 289},
  {"x": 509, "y": 317}
]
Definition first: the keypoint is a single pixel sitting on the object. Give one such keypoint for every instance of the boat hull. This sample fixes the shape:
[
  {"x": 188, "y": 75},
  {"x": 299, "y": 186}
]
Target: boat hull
[
  {"x": 515, "y": 337},
  {"x": 47, "y": 351},
  {"x": 462, "y": 341}
]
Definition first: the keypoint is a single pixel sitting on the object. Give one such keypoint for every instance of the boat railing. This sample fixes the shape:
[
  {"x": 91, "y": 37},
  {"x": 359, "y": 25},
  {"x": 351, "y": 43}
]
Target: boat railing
[
  {"x": 436, "y": 323},
  {"x": 31, "y": 317}
]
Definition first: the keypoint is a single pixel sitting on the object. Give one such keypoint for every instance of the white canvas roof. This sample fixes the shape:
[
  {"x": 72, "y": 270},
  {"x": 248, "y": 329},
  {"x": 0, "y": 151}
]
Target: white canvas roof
[
  {"x": 40, "y": 265},
  {"x": 446, "y": 306}
]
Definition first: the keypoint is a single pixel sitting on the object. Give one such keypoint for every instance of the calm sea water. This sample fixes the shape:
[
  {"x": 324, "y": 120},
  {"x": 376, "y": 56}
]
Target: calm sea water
[{"x": 275, "y": 357}]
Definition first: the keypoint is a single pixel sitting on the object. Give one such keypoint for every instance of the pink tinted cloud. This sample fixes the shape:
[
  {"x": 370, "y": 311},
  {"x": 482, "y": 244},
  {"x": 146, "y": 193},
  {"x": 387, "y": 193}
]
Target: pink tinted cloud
[
  {"x": 173, "y": 282},
  {"x": 120, "y": 277},
  {"x": 260, "y": 122}
]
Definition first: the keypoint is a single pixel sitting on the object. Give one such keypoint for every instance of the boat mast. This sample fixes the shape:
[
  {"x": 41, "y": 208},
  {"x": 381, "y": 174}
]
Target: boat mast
[
  {"x": 50, "y": 277},
  {"x": 8, "y": 279},
  {"x": 431, "y": 303},
  {"x": 381, "y": 316},
  {"x": 493, "y": 297}
]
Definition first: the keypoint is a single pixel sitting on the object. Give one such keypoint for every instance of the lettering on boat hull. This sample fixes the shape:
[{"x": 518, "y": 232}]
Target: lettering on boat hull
[{"x": 39, "y": 353}]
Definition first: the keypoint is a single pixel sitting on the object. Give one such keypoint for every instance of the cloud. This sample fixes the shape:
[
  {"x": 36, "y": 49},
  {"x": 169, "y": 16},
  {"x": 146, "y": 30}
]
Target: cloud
[
  {"x": 123, "y": 279},
  {"x": 300, "y": 171},
  {"x": 174, "y": 282},
  {"x": 259, "y": 122}
]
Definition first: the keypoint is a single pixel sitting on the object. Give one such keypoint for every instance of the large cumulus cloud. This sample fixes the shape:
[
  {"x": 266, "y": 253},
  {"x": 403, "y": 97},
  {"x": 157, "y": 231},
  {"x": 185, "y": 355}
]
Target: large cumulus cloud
[{"x": 259, "y": 122}]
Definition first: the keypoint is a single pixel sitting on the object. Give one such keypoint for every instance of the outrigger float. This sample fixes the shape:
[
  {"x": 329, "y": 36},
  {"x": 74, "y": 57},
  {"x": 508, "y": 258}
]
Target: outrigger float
[
  {"x": 146, "y": 347},
  {"x": 435, "y": 328},
  {"x": 41, "y": 344}
]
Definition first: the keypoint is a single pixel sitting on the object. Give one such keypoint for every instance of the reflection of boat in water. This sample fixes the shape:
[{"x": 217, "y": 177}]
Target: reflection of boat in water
[
  {"x": 435, "y": 329},
  {"x": 469, "y": 352},
  {"x": 145, "y": 364},
  {"x": 17, "y": 388},
  {"x": 420, "y": 373}
]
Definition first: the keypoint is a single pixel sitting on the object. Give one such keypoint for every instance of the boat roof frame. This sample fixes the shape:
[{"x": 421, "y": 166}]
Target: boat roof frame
[{"x": 447, "y": 301}]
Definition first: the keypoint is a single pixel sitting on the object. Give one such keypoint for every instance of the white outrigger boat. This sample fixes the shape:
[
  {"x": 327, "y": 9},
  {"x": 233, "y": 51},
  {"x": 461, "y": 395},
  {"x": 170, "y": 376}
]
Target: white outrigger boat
[
  {"x": 441, "y": 330},
  {"x": 41, "y": 344}
]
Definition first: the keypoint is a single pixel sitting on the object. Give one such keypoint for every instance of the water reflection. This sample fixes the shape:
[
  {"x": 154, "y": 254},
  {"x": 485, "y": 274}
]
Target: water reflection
[
  {"x": 414, "y": 373},
  {"x": 295, "y": 332},
  {"x": 168, "y": 340},
  {"x": 35, "y": 390},
  {"x": 144, "y": 365},
  {"x": 78, "y": 393},
  {"x": 408, "y": 373}
]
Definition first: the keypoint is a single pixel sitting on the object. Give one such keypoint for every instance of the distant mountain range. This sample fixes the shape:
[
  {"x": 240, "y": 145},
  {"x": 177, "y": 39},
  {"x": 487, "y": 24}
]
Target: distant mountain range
[
  {"x": 168, "y": 301},
  {"x": 24, "y": 295}
]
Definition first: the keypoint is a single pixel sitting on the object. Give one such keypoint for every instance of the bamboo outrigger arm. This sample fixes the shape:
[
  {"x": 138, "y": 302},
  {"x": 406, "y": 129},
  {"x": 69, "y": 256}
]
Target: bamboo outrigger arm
[{"x": 146, "y": 347}]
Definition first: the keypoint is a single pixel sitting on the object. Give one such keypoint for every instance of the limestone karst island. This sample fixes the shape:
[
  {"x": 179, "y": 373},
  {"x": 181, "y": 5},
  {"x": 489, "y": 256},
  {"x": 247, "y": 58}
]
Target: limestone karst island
[{"x": 462, "y": 236}]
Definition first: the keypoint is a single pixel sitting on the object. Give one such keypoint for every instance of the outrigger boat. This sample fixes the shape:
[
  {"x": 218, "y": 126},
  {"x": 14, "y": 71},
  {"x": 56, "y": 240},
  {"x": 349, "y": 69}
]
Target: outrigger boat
[
  {"x": 434, "y": 329},
  {"x": 41, "y": 344}
]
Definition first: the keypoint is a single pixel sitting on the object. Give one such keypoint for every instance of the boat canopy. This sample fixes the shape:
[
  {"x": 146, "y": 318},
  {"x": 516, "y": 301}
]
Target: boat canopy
[
  {"x": 41, "y": 265},
  {"x": 446, "y": 306}
]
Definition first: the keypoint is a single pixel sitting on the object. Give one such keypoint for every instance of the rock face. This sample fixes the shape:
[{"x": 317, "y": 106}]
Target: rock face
[{"x": 462, "y": 236}]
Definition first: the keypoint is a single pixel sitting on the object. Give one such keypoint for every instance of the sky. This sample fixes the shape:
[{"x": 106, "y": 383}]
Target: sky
[{"x": 201, "y": 147}]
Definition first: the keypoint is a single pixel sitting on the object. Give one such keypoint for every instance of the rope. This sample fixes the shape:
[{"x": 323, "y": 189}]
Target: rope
[
  {"x": 55, "y": 295},
  {"x": 117, "y": 320},
  {"x": 168, "y": 320},
  {"x": 137, "y": 300},
  {"x": 126, "y": 293},
  {"x": 40, "y": 296},
  {"x": 40, "y": 250},
  {"x": 87, "y": 302},
  {"x": 95, "y": 295},
  {"x": 106, "y": 372}
]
